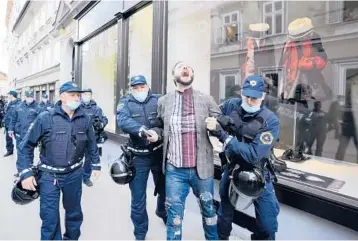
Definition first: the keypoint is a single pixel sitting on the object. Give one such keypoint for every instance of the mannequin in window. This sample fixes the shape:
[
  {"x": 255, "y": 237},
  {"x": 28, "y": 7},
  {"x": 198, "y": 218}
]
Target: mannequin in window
[
  {"x": 259, "y": 51},
  {"x": 303, "y": 58}
]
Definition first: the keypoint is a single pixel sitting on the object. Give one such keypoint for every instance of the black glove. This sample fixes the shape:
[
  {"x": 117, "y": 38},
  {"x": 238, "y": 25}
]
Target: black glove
[{"x": 220, "y": 133}]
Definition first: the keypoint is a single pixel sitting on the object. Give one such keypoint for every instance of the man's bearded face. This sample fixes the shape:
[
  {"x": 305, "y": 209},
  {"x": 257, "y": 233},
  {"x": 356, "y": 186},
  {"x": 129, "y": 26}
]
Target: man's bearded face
[{"x": 183, "y": 74}]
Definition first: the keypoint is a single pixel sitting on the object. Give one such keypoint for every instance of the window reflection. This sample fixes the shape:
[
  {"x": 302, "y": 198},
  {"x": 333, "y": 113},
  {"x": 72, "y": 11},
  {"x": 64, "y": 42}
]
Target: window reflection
[{"x": 307, "y": 53}]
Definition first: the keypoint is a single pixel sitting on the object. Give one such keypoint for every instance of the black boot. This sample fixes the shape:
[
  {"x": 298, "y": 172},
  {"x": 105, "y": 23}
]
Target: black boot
[{"x": 8, "y": 154}]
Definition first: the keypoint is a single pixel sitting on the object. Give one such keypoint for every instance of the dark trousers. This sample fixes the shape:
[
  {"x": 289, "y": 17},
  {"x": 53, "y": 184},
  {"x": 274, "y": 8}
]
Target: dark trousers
[
  {"x": 266, "y": 210},
  {"x": 343, "y": 144},
  {"x": 318, "y": 135},
  {"x": 50, "y": 187},
  {"x": 9, "y": 143},
  {"x": 138, "y": 186},
  {"x": 177, "y": 185}
]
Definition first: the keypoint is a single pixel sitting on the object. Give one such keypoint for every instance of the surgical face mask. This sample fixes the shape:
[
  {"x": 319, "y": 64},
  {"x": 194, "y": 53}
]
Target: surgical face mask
[
  {"x": 141, "y": 96},
  {"x": 29, "y": 100},
  {"x": 248, "y": 108},
  {"x": 73, "y": 105},
  {"x": 44, "y": 100},
  {"x": 86, "y": 99}
]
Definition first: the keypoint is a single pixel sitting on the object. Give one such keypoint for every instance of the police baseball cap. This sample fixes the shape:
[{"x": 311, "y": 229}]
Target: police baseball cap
[
  {"x": 138, "y": 80},
  {"x": 29, "y": 93},
  {"x": 87, "y": 90},
  {"x": 13, "y": 93},
  {"x": 254, "y": 86},
  {"x": 70, "y": 87}
]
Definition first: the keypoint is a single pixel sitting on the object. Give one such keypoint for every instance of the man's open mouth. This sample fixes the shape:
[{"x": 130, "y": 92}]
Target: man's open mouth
[{"x": 185, "y": 73}]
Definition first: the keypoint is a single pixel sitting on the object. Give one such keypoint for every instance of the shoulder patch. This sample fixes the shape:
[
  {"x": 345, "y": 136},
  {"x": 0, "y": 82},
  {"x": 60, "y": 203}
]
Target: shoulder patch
[
  {"x": 266, "y": 138},
  {"x": 120, "y": 106}
]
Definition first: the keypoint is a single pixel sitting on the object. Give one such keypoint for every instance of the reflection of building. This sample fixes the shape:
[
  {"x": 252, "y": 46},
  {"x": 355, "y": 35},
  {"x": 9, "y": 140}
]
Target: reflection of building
[
  {"x": 3, "y": 84},
  {"x": 40, "y": 44},
  {"x": 334, "y": 21}
]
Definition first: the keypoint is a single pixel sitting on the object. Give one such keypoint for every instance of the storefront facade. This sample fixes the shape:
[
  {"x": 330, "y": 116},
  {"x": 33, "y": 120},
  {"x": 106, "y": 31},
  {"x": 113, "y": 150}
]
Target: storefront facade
[{"x": 312, "y": 47}]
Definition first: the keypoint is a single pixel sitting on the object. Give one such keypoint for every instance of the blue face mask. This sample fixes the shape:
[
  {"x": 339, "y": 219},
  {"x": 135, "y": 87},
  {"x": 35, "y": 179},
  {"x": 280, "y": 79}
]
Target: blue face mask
[
  {"x": 140, "y": 96},
  {"x": 250, "y": 109},
  {"x": 73, "y": 105}
]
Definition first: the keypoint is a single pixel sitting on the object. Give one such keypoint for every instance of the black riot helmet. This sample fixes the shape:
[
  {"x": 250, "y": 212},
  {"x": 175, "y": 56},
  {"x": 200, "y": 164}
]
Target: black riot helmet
[
  {"x": 122, "y": 171},
  {"x": 21, "y": 196},
  {"x": 245, "y": 186}
]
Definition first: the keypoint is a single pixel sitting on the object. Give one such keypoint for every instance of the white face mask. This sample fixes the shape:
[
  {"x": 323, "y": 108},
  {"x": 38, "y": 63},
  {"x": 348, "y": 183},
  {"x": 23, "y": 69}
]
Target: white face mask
[
  {"x": 86, "y": 99},
  {"x": 252, "y": 108},
  {"x": 44, "y": 100},
  {"x": 29, "y": 100},
  {"x": 141, "y": 96}
]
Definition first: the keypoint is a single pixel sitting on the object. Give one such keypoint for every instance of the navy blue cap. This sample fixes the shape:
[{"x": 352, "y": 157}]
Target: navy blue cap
[
  {"x": 138, "y": 80},
  {"x": 254, "y": 86},
  {"x": 87, "y": 90},
  {"x": 29, "y": 93},
  {"x": 70, "y": 87},
  {"x": 44, "y": 95},
  {"x": 13, "y": 93}
]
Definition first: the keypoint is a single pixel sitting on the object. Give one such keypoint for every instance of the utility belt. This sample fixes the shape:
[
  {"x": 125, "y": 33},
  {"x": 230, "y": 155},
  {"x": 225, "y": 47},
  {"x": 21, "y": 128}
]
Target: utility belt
[
  {"x": 144, "y": 151},
  {"x": 61, "y": 170}
]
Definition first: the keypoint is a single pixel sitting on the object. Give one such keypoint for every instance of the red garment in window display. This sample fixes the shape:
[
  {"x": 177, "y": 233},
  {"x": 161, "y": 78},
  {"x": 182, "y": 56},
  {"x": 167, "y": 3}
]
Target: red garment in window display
[{"x": 303, "y": 60}]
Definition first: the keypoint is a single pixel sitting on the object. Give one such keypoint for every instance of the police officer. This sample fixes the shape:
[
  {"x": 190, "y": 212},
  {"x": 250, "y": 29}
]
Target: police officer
[
  {"x": 22, "y": 116},
  {"x": 134, "y": 116},
  {"x": 94, "y": 111},
  {"x": 13, "y": 102},
  {"x": 45, "y": 103},
  {"x": 256, "y": 131},
  {"x": 65, "y": 132}
]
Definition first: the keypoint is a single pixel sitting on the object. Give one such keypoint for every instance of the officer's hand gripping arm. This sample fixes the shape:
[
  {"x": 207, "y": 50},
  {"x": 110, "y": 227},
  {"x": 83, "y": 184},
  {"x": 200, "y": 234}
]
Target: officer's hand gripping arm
[
  {"x": 259, "y": 148},
  {"x": 25, "y": 157},
  {"x": 124, "y": 120},
  {"x": 93, "y": 149}
]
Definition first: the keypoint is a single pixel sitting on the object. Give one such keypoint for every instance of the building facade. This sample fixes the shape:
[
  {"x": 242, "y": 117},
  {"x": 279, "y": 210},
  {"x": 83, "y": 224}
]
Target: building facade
[
  {"x": 41, "y": 45},
  {"x": 3, "y": 84}
]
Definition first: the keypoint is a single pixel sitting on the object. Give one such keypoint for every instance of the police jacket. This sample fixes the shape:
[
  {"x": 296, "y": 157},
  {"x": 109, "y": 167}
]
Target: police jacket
[
  {"x": 132, "y": 115},
  {"x": 94, "y": 111},
  {"x": 44, "y": 106},
  {"x": 22, "y": 116},
  {"x": 63, "y": 142},
  {"x": 8, "y": 111},
  {"x": 255, "y": 134}
]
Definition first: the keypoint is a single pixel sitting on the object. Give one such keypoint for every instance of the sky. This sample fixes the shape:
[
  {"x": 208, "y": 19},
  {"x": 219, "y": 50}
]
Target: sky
[{"x": 3, "y": 57}]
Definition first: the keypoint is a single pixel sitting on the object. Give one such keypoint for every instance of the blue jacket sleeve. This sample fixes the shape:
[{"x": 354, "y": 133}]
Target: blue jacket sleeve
[
  {"x": 124, "y": 119},
  {"x": 101, "y": 117},
  {"x": 261, "y": 145},
  {"x": 26, "y": 156},
  {"x": 13, "y": 119},
  {"x": 92, "y": 148}
]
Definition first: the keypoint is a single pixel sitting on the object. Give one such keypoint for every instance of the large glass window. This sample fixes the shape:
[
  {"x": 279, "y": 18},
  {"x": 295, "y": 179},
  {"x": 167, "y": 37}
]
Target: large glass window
[
  {"x": 308, "y": 55},
  {"x": 100, "y": 14},
  {"x": 140, "y": 43},
  {"x": 99, "y": 63}
]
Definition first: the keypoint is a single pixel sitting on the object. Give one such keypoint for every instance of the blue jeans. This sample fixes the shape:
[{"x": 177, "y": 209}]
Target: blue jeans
[
  {"x": 266, "y": 209},
  {"x": 177, "y": 186},
  {"x": 138, "y": 187},
  {"x": 50, "y": 187}
]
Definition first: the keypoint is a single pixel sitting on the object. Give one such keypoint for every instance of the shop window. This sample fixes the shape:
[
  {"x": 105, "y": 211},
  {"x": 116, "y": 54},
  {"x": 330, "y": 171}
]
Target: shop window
[
  {"x": 314, "y": 99},
  {"x": 341, "y": 11},
  {"x": 273, "y": 15},
  {"x": 99, "y": 71},
  {"x": 140, "y": 43},
  {"x": 51, "y": 96}
]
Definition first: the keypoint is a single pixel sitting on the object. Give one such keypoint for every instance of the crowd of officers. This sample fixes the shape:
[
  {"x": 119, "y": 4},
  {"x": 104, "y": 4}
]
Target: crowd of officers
[{"x": 169, "y": 137}]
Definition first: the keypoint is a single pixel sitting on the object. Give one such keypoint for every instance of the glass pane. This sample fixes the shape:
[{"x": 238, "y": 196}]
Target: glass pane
[
  {"x": 268, "y": 20},
  {"x": 278, "y": 23},
  {"x": 99, "y": 72},
  {"x": 227, "y": 19},
  {"x": 231, "y": 33},
  {"x": 140, "y": 43},
  {"x": 234, "y": 17},
  {"x": 268, "y": 8},
  {"x": 278, "y": 5},
  {"x": 98, "y": 16}
]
